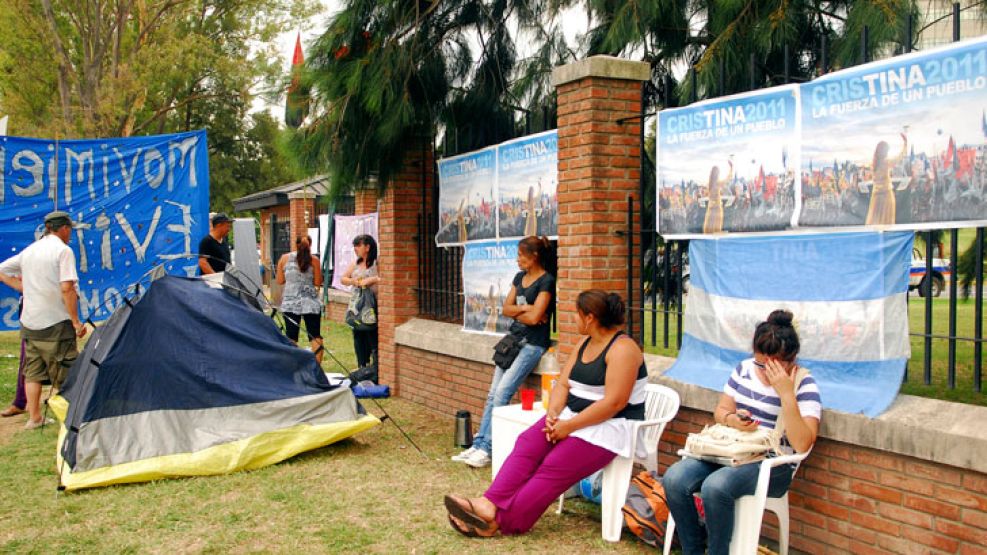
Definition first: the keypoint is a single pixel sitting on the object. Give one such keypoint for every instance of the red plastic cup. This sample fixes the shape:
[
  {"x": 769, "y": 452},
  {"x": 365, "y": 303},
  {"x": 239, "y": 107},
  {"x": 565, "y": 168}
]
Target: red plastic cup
[{"x": 527, "y": 399}]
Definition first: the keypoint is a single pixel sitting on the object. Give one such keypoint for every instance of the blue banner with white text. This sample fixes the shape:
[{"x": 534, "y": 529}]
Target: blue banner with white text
[{"x": 137, "y": 202}]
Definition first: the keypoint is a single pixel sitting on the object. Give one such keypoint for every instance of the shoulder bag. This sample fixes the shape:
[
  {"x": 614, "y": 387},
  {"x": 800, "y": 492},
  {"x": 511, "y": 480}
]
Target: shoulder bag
[{"x": 507, "y": 349}]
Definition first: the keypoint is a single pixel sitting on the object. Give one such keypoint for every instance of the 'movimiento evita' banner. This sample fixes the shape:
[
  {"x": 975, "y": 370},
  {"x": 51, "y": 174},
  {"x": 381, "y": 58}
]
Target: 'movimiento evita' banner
[{"x": 138, "y": 202}]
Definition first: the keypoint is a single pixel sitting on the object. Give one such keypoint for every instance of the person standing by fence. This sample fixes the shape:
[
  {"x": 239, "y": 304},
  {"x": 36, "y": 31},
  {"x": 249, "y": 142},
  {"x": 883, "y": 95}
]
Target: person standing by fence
[
  {"x": 301, "y": 275},
  {"x": 364, "y": 273}
]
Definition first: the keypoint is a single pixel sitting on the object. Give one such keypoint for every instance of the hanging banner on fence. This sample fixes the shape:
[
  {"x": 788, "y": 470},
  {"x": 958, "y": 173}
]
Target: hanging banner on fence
[
  {"x": 488, "y": 270},
  {"x": 847, "y": 291},
  {"x": 347, "y": 229},
  {"x": 467, "y": 198},
  {"x": 138, "y": 202},
  {"x": 900, "y": 142},
  {"x": 527, "y": 185},
  {"x": 729, "y": 164}
]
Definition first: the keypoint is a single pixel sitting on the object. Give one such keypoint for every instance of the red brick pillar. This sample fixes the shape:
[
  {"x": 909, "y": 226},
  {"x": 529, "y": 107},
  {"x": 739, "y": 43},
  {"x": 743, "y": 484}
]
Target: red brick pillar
[
  {"x": 599, "y": 166},
  {"x": 365, "y": 199},
  {"x": 301, "y": 213},
  {"x": 397, "y": 299}
]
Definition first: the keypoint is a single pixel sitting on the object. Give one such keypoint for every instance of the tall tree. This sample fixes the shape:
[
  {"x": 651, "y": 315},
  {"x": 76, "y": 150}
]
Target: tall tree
[
  {"x": 385, "y": 71},
  {"x": 97, "y": 68}
]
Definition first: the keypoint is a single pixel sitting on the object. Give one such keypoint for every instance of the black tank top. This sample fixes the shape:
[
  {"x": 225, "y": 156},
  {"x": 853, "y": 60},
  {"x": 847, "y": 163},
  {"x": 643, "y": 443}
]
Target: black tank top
[{"x": 593, "y": 374}]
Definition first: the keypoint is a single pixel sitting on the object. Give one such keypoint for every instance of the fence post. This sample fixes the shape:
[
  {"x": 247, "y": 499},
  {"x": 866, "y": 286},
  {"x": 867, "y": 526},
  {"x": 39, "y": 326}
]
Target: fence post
[
  {"x": 397, "y": 299},
  {"x": 599, "y": 103}
]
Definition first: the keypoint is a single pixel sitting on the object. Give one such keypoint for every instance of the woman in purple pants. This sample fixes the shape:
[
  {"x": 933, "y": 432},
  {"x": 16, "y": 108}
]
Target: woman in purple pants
[{"x": 598, "y": 395}]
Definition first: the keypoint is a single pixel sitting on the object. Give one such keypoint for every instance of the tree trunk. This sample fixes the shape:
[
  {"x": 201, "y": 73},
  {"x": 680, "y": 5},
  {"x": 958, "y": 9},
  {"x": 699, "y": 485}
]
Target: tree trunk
[{"x": 64, "y": 88}]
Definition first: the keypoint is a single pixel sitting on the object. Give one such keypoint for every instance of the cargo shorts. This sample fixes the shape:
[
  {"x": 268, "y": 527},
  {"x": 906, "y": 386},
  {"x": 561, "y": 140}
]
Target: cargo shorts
[{"x": 49, "y": 360}]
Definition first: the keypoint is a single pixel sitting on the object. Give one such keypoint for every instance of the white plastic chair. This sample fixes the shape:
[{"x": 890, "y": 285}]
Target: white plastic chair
[
  {"x": 749, "y": 511},
  {"x": 660, "y": 407}
]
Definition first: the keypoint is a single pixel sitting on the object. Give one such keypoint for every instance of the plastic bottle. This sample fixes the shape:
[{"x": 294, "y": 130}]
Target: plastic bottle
[{"x": 549, "y": 373}]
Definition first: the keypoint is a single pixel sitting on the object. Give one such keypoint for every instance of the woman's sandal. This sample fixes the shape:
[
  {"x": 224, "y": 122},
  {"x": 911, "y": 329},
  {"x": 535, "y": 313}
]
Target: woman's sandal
[
  {"x": 469, "y": 531},
  {"x": 467, "y": 516}
]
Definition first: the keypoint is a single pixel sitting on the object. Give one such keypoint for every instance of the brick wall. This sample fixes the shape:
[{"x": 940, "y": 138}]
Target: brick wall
[
  {"x": 398, "y": 255},
  {"x": 854, "y": 499},
  {"x": 301, "y": 211},
  {"x": 599, "y": 167},
  {"x": 447, "y": 384},
  {"x": 365, "y": 200}
]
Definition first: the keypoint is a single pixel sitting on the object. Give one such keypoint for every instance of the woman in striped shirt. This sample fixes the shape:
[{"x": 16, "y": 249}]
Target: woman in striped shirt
[
  {"x": 598, "y": 395},
  {"x": 759, "y": 389}
]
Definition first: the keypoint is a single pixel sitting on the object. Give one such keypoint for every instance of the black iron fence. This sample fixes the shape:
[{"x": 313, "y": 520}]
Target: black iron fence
[{"x": 947, "y": 333}]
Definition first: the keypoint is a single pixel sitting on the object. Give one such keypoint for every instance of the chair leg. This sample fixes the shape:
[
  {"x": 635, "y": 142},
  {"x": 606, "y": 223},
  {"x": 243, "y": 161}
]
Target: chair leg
[
  {"x": 616, "y": 480},
  {"x": 558, "y": 511},
  {"x": 780, "y": 508},
  {"x": 669, "y": 531}
]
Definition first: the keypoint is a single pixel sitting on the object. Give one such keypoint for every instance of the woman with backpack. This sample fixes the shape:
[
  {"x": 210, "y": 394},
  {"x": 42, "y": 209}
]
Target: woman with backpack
[
  {"x": 760, "y": 390},
  {"x": 301, "y": 275},
  {"x": 598, "y": 396},
  {"x": 530, "y": 303}
]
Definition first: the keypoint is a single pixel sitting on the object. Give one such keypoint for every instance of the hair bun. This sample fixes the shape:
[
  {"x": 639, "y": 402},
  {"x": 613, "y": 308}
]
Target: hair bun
[{"x": 781, "y": 318}]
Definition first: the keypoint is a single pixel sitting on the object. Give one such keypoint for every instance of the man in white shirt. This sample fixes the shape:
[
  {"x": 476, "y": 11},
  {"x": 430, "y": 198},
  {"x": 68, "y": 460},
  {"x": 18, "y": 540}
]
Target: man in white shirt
[{"x": 50, "y": 317}]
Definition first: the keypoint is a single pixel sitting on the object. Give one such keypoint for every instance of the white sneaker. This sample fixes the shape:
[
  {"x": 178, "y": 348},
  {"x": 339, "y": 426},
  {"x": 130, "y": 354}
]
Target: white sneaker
[
  {"x": 31, "y": 424},
  {"x": 461, "y": 457},
  {"x": 478, "y": 459}
]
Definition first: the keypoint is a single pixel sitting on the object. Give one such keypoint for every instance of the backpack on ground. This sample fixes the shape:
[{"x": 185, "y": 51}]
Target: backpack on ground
[{"x": 646, "y": 512}]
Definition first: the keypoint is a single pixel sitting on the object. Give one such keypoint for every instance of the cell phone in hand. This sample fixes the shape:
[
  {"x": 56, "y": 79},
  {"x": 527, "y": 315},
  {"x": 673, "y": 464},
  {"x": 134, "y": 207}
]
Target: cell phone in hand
[{"x": 744, "y": 417}]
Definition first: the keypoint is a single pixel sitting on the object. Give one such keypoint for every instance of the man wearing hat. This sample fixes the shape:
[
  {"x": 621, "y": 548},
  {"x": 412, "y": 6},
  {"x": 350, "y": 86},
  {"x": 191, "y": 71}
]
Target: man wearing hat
[
  {"x": 50, "y": 316},
  {"x": 214, "y": 252}
]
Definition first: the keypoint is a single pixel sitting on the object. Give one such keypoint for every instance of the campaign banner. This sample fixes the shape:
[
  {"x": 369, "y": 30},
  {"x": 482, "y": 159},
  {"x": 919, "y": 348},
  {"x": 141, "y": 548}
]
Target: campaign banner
[
  {"x": 901, "y": 142},
  {"x": 527, "y": 186},
  {"x": 348, "y": 228},
  {"x": 138, "y": 202},
  {"x": 488, "y": 270},
  {"x": 728, "y": 165},
  {"x": 467, "y": 198}
]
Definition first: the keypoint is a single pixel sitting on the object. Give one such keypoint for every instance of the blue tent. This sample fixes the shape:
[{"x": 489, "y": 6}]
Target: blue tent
[{"x": 190, "y": 380}]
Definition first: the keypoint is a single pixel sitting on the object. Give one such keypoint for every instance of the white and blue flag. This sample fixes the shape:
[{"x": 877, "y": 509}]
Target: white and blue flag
[{"x": 848, "y": 292}]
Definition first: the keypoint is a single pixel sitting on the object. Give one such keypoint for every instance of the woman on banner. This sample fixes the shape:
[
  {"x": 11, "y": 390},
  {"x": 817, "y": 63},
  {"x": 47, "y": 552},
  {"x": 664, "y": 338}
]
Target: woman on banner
[
  {"x": 301, "y": 275},
  {"x": 760, "y": 390},
  {"x": 530, "y": 303},
  {"x": 882, "y": 205},
  {"x": 595, "y": 401},
  {"x": 713, "y": 222},
  {"x": 364, "y": 274}
]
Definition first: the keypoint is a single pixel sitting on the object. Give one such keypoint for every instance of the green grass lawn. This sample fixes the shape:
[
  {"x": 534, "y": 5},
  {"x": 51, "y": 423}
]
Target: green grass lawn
[{"x": 371, "y": 493}]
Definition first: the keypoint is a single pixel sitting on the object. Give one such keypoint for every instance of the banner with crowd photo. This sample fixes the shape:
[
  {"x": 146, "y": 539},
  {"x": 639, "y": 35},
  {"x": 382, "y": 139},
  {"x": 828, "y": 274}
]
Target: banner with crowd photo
[
  {"x": 348, "y": 228},
  {"x": 488, "y": 270},
  {"x": 467, "y": 198},
  {"x": 527, "y": 186},
  {"x": 138, "y": 202},
  {"x": 899, "y": 143},
  {"x": 728, "y": 164}
]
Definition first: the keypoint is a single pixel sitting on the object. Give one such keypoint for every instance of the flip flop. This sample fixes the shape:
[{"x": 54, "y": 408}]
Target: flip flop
[
  {"x": 12, "y": 411},
  {"x": 469, "y": 532},
  {"x": 468, "y": 516}
]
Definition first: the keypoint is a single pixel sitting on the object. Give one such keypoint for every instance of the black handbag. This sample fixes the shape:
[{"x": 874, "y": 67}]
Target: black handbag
[
  {"x": 361, "y": 314},
  {"x": 507, "y": 349}
]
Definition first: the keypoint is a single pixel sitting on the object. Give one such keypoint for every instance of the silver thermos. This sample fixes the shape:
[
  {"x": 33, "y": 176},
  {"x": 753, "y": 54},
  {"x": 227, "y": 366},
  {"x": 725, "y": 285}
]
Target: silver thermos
[{"x": 464, "y": 429}]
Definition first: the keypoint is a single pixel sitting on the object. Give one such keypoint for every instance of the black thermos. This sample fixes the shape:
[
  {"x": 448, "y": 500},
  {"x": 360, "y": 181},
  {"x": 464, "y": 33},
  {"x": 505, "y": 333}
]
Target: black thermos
[{"x": 464, "y": 429}]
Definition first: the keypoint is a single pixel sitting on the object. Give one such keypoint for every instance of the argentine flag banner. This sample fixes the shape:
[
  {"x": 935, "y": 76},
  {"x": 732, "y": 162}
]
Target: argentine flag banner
[{"x": 847, "y": 291}]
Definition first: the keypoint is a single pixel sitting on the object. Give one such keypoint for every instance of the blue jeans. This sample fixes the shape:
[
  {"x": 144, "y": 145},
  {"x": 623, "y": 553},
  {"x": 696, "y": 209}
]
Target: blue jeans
[
  {"x": 504, "y": 385},
  {"x": 719, "y": 487}
]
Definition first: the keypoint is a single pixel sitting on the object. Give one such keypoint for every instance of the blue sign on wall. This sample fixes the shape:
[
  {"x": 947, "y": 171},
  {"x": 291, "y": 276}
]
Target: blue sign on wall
[{"x": 138, "y": 202}]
